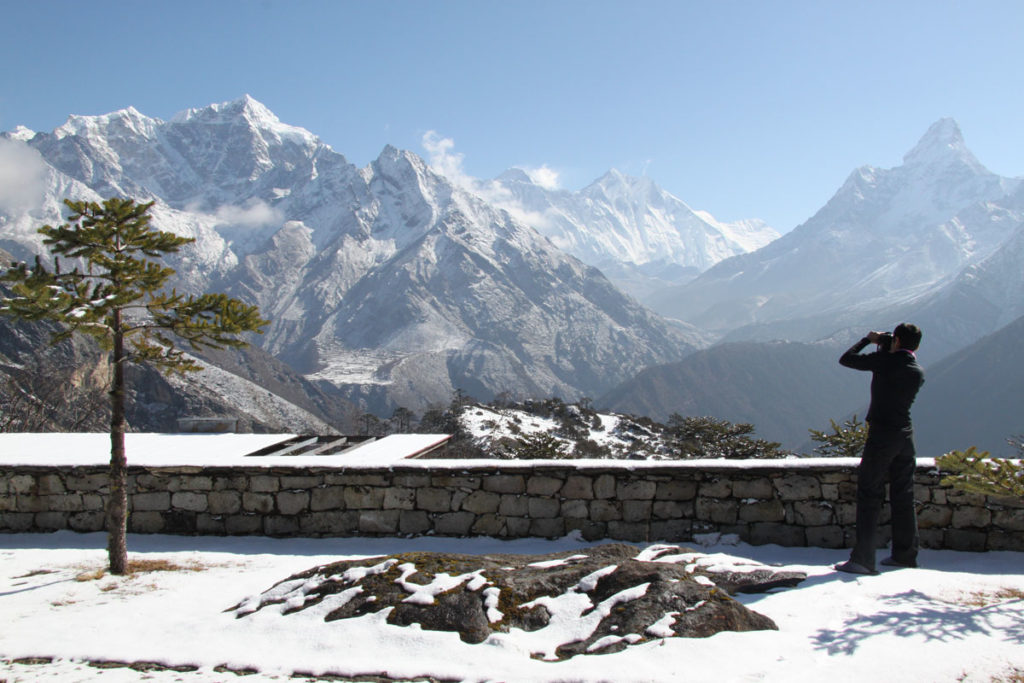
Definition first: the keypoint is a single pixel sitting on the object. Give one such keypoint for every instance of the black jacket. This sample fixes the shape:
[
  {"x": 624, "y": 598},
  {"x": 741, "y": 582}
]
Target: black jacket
[{"x": 895, "y": 380}]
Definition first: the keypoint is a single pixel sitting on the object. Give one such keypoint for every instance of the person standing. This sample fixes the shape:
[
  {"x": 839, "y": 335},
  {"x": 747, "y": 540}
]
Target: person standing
[{"x": 889, "y": 452}]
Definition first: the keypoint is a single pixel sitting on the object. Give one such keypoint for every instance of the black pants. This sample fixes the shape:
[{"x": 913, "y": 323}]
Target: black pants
[{"x": 887, "y": 456}]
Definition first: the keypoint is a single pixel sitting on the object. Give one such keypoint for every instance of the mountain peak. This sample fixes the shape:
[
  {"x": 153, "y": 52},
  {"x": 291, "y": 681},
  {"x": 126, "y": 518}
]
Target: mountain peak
[{"x": 943, "y": 141}]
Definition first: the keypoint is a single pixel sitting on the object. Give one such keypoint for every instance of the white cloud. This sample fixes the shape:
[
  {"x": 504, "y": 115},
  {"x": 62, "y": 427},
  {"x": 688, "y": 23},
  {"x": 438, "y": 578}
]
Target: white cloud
[
  {"x": 545, "y": 176},
  {"x": 444, "y": 160},
  {"x": 254, "y": 213},
  {"x": 22, "y": 176},
  {"x": 447, "y": 162}
]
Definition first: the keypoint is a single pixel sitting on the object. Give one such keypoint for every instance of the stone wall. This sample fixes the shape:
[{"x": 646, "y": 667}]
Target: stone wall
[{"x": 778, "y": 502}]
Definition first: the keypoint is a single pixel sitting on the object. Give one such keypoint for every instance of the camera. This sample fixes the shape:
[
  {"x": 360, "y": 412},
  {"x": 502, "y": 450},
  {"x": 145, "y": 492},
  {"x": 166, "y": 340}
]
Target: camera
[{"x": 885, "y": 340}]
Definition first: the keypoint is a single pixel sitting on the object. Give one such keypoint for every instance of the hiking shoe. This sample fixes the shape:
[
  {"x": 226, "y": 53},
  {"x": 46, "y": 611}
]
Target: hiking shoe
[
  {"x": 851, "y": 567},
  {"x": 893, "y": 562}
]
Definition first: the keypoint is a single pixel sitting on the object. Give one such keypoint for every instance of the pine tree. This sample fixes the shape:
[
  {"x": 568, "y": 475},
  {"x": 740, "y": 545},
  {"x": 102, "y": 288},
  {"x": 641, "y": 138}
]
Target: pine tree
[
  {"x": 845, "y": 441},
  {"x": 119, "y": 300},
  {"x": 977, "y": 472}
]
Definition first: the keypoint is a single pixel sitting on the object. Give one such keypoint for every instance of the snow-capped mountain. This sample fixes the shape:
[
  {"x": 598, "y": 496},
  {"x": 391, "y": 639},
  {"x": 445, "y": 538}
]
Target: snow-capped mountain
[
  {"x": 642, "y": 237},
  {"x": 387, "y": 280},
  {"x": 887, "y": 237}
]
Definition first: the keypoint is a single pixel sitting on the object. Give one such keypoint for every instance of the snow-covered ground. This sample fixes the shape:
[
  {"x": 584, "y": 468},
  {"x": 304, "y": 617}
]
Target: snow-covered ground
[{"x": 958, "y": 618}]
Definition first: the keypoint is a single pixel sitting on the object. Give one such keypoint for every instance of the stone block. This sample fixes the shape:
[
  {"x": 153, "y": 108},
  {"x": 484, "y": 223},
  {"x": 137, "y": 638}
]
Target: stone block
[
  {"x": 514, "y": 506},
  {"x": 956, "y": 497},
  {"x": 813, "y": 513},
  {"x": 84, "y": 522},
  {"x": 157, "y": 500},
  {"x": 399, "y": 498},
  {"x": 79, "y": 481},
  {"x": 292, "y": 482},
  {"x": 540, "y": 485},
  {"x": 593, "y": 531},
  {"x": 278, "y": 525},
  {"x": 262, "y": 503},
  {"x": 716, "y": 487},
  {"x": 8, "y": 503},
  {"x": 224, "y": 502},
  {"x": 434, "y": 500},
  {"x": 488, "y": 525},
  {"x": 51, "y": 521},
  {"x": 965, "y": 539},
  {"x": 363, "y": 497},
  {"x": 798, "y": 487},
  {"x": 25, "y": 484},
  {"x": 517, "y": 527},
  {"x": 930, "y": 538},
  {"x": 481, "y": 502},
  {"x": 49, "y": 484},
  {"x": 922, "y": 494},
  {"x": 179, "y": 522},
  {"x": 264, "y": 483},
  {"x": 604, "y": 511},
  {"x": 68, "y": 502},
  {"x": 454, "y": 523},
  {"x": 830, "y": 492},
  {"x": 671, "y": 509},
  {"x": 412, "y": 481},
  {"x": 636, "y": 489},
  {"x": 189, "y": 500},
  {"x": 677, "y": 489},
  {"x": 29, "y": 503},
  {"x": 543, "y": 508},
  {"x": 846, "y": 513},
  {"x": 212, "y": 525},
  {"x": 934, "y": 516},
  {"x": 717, "y": 511},
  {"x": 504, "y": 483},
  {"x": 413, "y": 522},
  {"x": 629, "y": 531},
  {"x": 636, "y": 510},
  {"x": 368, "y": 480},
  {"x": 451, "y": 481},
  {"x": 848, "y": 491},
  {"x": 759, "y": 488},
  {"x": 243, "y": 525},
  {"x": 327, "y": 498},
  {"x": 148, "y": 522},
  {"x": 92, "y": 501},
  {"x": 1009, "y": 520},
  {"x": 234, "y": 482},
  {"x": 458, "y": 497},
  {"x": 292, "y": 502},
  {"x": 671, "y": 530},
  {"x": 547, "y": 528},
  {"x": 575, "y": 508},
  {"x": 762, "y": 511},
  {"x": 195, "y": 483},
  {"x": 1002, "y": 540},
  {"x": 16, "y": 522},
  {"x": 829, "y": 536},
  {"x": 578, "y": 487},
  {"x": 762, "y": 533},
  {"x": 379, "y": 521},
  {"x": 329, "y": 523},
  {"x": 967, "y": 517},
  {"x": 604, "y": 486}
]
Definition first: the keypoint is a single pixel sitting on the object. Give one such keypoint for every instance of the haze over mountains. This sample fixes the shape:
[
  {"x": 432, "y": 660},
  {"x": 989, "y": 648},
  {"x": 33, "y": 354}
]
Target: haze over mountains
[{"x": 392, "y": 285}]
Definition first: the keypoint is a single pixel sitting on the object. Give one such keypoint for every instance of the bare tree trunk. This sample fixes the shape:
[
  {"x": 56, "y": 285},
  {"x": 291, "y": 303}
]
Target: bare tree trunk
[{"x": 117, "y": 506}]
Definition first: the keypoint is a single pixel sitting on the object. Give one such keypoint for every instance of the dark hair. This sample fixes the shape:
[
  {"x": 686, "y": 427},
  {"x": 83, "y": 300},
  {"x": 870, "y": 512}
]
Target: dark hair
[{"x": 909, "y": 336}]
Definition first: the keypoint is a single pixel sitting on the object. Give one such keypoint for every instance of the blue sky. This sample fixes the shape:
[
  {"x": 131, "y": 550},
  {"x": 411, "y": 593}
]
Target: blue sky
[{"x": 741, "y": 108}]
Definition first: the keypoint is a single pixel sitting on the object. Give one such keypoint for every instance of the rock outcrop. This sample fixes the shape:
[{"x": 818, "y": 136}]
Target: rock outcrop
[{"x": 596, "y": 600}]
